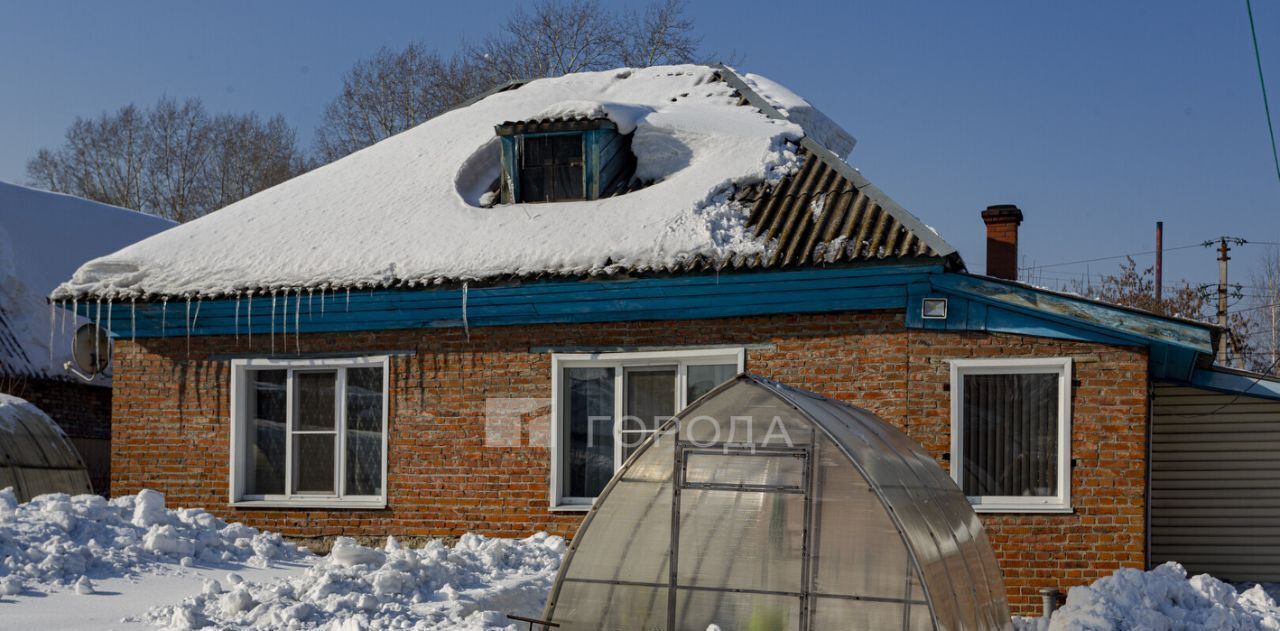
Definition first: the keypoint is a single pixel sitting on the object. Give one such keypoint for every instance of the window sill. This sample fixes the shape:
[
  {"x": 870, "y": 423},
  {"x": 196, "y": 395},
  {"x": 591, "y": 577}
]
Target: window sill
[
  {"x": 374, "y": 504},
  {"x": 1014, "y": 509},
  {"x": 571, "y": 508}
]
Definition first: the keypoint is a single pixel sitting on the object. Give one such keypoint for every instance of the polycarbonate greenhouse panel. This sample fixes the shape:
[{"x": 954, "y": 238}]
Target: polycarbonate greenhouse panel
[
  {"x": 779, "y": 509},
  {"x": 35, "y": 455}
]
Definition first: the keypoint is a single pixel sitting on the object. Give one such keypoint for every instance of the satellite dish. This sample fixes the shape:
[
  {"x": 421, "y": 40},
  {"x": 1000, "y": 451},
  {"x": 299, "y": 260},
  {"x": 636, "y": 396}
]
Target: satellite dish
[{"x": 91, "y": 350}]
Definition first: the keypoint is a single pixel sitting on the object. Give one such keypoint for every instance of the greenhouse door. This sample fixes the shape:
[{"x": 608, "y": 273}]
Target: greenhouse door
[{"x": 740, "y": 530}]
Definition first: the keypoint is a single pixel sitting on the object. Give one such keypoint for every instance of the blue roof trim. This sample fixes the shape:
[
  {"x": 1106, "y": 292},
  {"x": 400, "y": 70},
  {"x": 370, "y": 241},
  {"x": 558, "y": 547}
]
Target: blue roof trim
[
  {"x": 1247, "y": 384},
  {"x": 974, "y": 304},
  {"x": 546, "y": 302}
]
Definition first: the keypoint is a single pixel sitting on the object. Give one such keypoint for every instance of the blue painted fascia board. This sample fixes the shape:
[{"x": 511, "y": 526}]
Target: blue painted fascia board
[
  {"x": 978, "y": 304},
  {"x": 1085, "y": 314},
  {"x": 544, "y": 302},
  {"x": 973, "y": 306},
  {"x": 1258, "y": 386}
]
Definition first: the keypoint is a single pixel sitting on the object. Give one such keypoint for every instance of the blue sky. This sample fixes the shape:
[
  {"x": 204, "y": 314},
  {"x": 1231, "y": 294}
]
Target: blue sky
[{"x": 1097, "y": 118}]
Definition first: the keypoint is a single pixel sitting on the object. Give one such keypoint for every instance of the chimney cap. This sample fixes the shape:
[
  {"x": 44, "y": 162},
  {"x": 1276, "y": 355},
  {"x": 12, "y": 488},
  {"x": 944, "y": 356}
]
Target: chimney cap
[{"x": 1002, "y": 213}]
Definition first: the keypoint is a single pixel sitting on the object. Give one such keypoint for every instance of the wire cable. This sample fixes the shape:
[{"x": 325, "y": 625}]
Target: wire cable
[
  {"x": 1266, "y": 104},
  {"x": 1117, "y": 256}
]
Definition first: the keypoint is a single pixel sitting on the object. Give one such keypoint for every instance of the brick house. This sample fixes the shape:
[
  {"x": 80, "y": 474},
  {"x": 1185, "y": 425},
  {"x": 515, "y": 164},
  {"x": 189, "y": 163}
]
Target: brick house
[
  {"x": 44, "y": 237},
  {"x": 510, "y": 293}
]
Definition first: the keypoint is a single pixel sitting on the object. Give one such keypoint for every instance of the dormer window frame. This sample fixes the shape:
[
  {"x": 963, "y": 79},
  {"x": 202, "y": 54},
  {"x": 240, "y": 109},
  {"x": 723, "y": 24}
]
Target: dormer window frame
[{"x": 597, "y": 136}]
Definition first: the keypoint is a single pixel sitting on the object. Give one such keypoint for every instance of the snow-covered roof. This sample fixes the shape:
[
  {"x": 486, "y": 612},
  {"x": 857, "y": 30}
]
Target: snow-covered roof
[
  {"x": 44, "y": 237},
  {"x": 407, "y": 211}
]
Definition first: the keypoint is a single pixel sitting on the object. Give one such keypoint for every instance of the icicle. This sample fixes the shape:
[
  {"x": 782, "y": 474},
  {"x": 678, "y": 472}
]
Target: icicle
[
  {"x": 465, "y": 326},
  {"x": 348, "y": 300},
  {"x": 97, "y": 326},
  {"x": 109, "y": 303},
  {"x": 62, "y": 326},
  {"x": 297, "y": 309},
  {"x": 311, "y": 311},
  {"x": 195, "y": 319},
  {"x": 273, "y": 322},
  {"x": 133, "y": 319},
  {"x": 53, "y": 317},
  {"x": 248, "y": 323},
  {"x": 322, "y": 302},
  {"x": 164, "y": 316},
  {"x": 284, "y": 323},
  {"x": 237, "y": 318},
  {"x": 75, "y": 313},
  {"x": 188, "y": 322}
]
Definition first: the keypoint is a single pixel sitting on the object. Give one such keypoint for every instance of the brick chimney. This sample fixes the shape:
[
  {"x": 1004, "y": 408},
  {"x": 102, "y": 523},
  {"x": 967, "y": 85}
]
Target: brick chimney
[{"x": 1002, "y": 240}]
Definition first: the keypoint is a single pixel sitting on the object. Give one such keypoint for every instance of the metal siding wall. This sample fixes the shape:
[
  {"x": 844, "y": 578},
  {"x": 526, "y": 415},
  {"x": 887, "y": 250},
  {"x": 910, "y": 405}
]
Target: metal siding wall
[{"x": 1215, "y": 483}]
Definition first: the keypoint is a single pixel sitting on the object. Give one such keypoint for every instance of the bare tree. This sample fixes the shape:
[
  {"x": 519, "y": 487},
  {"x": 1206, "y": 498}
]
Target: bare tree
[
  {"x": 103, "y": 159},
  {"x": 174, "y": 160},
  {"x": 1265, "y": 309},
  {"x": 397, "y": 89},
  {"x": 660, "y": 35},
  {"x": 1135, "y": 288},
  {"x": 383, "y": 96}
]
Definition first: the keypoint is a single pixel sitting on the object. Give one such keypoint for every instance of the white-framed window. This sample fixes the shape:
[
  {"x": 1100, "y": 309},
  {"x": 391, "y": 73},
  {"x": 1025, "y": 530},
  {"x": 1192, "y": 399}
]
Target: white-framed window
[
  {"x": 1011, "y": 433},
  {"x": 603, "y": 405},
  {"x": 309, "y": 432}
]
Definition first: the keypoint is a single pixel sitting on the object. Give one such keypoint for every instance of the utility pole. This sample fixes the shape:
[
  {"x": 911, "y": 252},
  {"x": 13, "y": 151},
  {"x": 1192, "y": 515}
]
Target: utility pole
[
  {"x": 1159, "y": 264},
  {"x": 1223, "y": 249}
]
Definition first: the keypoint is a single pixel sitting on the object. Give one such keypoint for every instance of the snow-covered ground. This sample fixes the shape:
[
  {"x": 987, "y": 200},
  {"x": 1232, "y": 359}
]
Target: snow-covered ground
[
  {"x": 1162, "y": 599},
  {"x": 131, "y": 563},
  {"x": 85, "y": 563}
]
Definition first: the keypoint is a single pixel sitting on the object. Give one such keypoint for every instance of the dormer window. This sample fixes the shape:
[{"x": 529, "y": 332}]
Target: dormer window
[{"x": 565, "y": 160}]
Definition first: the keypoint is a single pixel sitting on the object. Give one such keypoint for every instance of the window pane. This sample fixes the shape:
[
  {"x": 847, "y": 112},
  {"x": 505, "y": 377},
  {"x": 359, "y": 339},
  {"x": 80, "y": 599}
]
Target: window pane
[
  {"x": 364, "y": 431},
  {"x": 588, "y": 439},
  {"x": 1010, "y": 433},
  {"x": 551, "y": 168},
  {"x": 650, "y": 399},
  {"x": 702, "y": 379},
  {"x": 266, "y": 432},
  {"x": 314, "y": 392},
  {"x": 313, "y": 463}
]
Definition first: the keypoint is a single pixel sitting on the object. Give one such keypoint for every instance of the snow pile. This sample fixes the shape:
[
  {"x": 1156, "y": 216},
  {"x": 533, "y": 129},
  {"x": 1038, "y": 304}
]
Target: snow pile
[
  {"x": 44, "y": 237},
  {"x": 410, "y": 210},
  {"x": 63, "y": 540},
  {"x": 472, "y": 585},
  {"x": 1163, "y": 599}
]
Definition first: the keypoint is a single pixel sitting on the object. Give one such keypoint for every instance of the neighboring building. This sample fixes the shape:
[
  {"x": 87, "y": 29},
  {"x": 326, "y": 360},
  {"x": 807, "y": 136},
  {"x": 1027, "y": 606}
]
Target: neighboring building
[
  {"x": 401, "y": 342},
  {"x": 44, "y": 237}
]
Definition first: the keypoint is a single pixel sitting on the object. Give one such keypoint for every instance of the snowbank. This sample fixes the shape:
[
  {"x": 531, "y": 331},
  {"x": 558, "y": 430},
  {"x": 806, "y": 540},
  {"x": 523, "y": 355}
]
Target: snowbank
[
  {"x": 408, "y": 210},
  {"x": 472, "y": 585},
  {"x": 44, "y": 237},
  {"x": 57, "y": 540},
  {"x": 1163, "y": 599}
]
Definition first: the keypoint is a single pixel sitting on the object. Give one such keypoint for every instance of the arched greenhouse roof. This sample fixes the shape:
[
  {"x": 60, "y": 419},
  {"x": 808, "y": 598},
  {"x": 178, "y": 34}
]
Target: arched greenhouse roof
[
  {"x": 764, "y": 507},
  {"x": 35, "y": 455}
]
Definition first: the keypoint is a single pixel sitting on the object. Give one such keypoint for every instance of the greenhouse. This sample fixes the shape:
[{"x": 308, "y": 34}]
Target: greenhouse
[
  {"x": 762, "y": 507},
  {"x": 35, "y": 455}
]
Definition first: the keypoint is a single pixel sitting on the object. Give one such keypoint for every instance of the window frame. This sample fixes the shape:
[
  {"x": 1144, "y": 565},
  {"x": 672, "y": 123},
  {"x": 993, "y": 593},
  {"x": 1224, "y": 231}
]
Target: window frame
[
  {"x": 1061, "y": 366},
  {"x": 239, "y": 434},
  {"x": 620, "y": 361}
]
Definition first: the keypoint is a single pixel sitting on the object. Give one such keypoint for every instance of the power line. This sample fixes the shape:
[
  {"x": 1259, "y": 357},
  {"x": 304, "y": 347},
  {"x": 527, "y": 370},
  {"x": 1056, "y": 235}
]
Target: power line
[
  {"x": 1266, "y": 105},
  {"x": 1117, "y": 256}
]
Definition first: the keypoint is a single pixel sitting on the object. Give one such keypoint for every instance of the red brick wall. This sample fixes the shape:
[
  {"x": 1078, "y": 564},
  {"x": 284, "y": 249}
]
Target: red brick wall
[{"x": 171, "y": 425}]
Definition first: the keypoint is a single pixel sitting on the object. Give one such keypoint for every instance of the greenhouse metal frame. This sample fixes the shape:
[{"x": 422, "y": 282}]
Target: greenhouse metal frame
[{"x": 806, "y": 514}]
